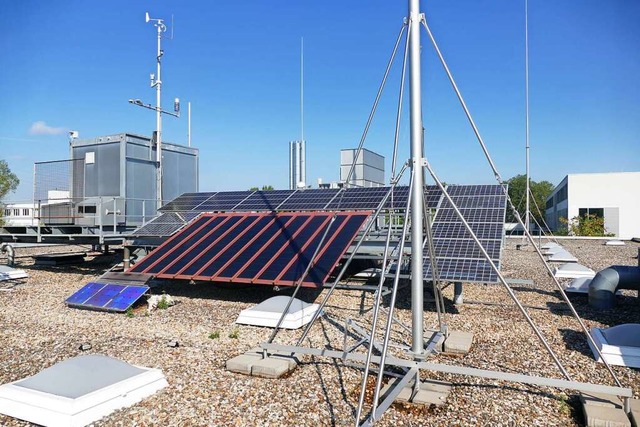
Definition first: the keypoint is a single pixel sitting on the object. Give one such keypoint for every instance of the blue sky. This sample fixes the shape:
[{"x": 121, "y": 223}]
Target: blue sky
[{"x": 72, "y": 65}]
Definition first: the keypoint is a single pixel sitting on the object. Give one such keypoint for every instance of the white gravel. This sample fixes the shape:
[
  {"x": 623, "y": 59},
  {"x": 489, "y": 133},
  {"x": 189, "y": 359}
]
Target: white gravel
[{"x": 38, "y": 330}]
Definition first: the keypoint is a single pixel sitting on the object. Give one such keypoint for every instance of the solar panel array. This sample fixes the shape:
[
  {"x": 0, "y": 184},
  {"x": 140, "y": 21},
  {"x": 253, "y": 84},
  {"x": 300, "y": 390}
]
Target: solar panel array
[
  {"x": 368, "y": 198},
  {"x": 187, "y": 202},
  {"x": 165, "y": 224},
  {"x": 458, "y": 257},
  {"x": 265, "y": 248},
  {"x": 106, "y": 296},
  {"x": 264, "y": 200}
]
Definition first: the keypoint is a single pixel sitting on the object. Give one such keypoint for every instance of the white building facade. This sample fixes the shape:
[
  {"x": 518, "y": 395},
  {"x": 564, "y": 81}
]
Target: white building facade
[
  {"x": 613, "y": 196},
  {"x": 368, "y": 170},
  {"x": 20, "y": 215}
]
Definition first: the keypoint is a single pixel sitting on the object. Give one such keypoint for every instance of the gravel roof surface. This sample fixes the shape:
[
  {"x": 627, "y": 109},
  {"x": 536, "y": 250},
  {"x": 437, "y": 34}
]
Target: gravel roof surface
[{"x": 38, "y": 330}]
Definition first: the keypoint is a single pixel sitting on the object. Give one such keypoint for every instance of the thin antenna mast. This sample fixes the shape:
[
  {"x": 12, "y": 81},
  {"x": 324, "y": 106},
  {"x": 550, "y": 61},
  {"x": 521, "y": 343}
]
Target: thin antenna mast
[
  {"x": 302, "y": 88},
  {"x": 526, "y": 97}
]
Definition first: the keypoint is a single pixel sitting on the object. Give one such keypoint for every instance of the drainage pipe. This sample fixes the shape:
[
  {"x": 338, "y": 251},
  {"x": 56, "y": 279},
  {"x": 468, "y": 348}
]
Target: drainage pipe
[
  {"x": 603, "y": 287},
  {"x": 11, "y": 254}
]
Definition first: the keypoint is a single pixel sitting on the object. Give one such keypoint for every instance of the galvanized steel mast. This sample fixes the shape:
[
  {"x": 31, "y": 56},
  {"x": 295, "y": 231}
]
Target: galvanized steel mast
[
  {"x": 158, "y": 84},
  {"x": 417, "y": 192}
]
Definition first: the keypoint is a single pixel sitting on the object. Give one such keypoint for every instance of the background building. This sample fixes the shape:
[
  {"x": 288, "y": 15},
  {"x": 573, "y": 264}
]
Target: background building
[
  {"x": 112, "y": 180},
  {"x": 19, "y": 214},
  {"x": 612, "y": 196},
  {"x": 368, "y": 171},
  {"x": 297, "y": 164}
]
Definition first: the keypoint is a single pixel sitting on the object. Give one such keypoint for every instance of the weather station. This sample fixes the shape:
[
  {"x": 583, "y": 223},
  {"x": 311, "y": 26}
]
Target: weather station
[{"x": 156, "y": 82}]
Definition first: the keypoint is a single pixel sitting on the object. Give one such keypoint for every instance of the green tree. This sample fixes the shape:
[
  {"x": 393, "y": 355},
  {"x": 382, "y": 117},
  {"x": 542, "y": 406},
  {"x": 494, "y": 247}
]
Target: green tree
[
  {"x": 586, "y": 225},
  {"x": 264, "y": 188},
  {"x": 8, "y": 182},
  {"x": 517, "y": 192}
]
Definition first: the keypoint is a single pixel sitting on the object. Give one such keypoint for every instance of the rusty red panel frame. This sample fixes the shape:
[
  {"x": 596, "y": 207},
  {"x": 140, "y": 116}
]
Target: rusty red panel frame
[
  {"x": 269, "y": 247},
  {"x": 187, "y": 236}
]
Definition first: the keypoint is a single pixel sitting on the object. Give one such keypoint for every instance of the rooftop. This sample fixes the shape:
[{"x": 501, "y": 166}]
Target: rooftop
[{"x": 39, "y": 330}]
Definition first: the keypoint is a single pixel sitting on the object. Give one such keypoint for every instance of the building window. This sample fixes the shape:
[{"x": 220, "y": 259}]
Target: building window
[
  {"x": 598, "y": 212},
  {"x": 89, "y": 209},
  {"x": 561, "y": 194},
  {"x": 562, "y": 213},
  {"x": 25, "y": 212},
  {"x": 16, "y": 212},
  {"x": 7, "y": 212},
  {"x": 550, "y": 203}
]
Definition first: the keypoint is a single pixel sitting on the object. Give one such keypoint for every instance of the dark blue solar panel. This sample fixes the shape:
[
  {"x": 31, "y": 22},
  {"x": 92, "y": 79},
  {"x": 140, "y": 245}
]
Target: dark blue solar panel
[
  {"x": 304, "y": 200},
  {"x": 244, "y": 252},
  {"x": 186, "y": 202},
  {"x": 260, "y": 247},
  {"x": 104, "y": 295},
  {"x": 457, "y": 255},
  {"x": 398, "y": 199},
  {"x": 471, "y": 215},
  {"x": 286, "y": 234},
  {"x": 179, "y": 250},
  {"x": 164, "y": 225},
  {"x": 358, "y": 198},
  {"x": 475, "y": 190},
  {"x": 264, "y": 200},
  {"x": 477, "y": 202},
  {"x": 451, "y": 230},
  {"x": 224, "y": 201},
  {"x": 154, "y": 256},
  {"x": 208, "y": 247},
  {"x": 467, "y": 270},
  {"x": 84, "y": 293},
  {"x": 464, "y": 248},
  {"x": 331, "y": 254},
  {"x": 318, "y": 272},
  {"x": 126, "y": 298},
  {"x": 218, "y": 255},
  {"x": 295, "y": 248},
  {"x": 432, "y": 196}
]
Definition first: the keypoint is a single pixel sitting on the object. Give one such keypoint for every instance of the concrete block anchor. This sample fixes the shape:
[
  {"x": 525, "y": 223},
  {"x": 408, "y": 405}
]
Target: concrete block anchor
[
  {"x": 597, "y": 416},
  {"x": 253, "y": 363},
  {"x": 243, "y": 363},
  {"x": 457, "y": 343},
  {"x": 431, "y": 392},
  {"x": 635, "y": 412},
  {"x": 605, "y": 410}
]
